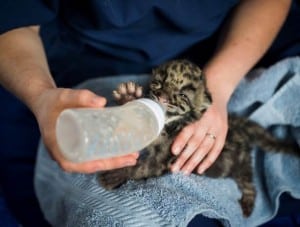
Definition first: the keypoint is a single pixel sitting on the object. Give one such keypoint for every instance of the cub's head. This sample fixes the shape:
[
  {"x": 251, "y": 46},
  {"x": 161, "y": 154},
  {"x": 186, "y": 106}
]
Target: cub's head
[{"x": 180, "y": 86}]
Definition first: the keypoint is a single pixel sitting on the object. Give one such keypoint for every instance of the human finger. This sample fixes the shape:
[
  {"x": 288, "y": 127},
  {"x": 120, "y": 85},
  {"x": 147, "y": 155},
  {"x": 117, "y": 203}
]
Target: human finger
[
  {"x": 186, "y": 143},
  {"x": 182, "y": 138},
  {"x": 185, "y": 154},
  {"x": 100, "y": 165},
  {"x": 211, "y": 156},
  {"x": 193, "y": 133},
  {"x": 81, "y": 98},
  {"x": 196, "y": 158}
]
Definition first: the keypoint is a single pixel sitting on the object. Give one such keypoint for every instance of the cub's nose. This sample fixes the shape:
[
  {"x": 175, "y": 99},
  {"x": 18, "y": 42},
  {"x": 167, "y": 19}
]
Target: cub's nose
[{"x": 162, "y": 97}]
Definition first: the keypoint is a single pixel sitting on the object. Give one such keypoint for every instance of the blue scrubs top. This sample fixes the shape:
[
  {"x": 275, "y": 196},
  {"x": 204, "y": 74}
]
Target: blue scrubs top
[{"x": 93, "y": 38}]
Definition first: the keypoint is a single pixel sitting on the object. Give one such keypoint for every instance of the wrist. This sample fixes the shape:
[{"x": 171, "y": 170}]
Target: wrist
[
  {"x": 36, "y": 88},
  {"x": 219, "y": 86},
  {"x": 223, "y": 74}
]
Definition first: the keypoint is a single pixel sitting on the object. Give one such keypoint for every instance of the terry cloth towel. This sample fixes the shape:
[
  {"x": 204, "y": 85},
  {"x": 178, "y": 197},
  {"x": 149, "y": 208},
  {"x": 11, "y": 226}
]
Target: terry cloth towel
[{"x": 269, "y": 96}]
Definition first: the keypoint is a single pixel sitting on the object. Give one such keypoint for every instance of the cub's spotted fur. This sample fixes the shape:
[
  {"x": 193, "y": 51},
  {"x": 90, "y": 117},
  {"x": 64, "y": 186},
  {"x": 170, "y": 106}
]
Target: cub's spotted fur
[{"x": 180, "y": 86}]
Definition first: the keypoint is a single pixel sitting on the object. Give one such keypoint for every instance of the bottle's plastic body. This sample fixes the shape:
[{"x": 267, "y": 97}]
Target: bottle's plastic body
[{"x": 85, "y": 134}]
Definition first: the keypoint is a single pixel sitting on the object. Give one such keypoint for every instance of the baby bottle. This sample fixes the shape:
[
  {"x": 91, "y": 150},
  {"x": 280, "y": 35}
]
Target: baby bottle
[{"x": 85, "y": 134}]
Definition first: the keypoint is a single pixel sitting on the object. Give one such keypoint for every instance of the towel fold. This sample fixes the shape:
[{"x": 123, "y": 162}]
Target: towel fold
[{"x": 268, "y": 96}]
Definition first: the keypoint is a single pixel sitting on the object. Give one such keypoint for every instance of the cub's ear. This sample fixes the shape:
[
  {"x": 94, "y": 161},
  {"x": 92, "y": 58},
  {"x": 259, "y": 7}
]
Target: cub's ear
[
  {"x": 202, "y": 99},
  {"x": 197, "y": 73},
  {"x": 205, "y": 91},
  {"x": 153, "y": 71},
  {"x": 156, "y": 72},
  {"x": 201, "y": 77}
]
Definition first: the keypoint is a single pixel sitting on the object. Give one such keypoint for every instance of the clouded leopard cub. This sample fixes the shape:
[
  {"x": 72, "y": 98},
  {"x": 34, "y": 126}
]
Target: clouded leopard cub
[{"x": 180, "y": 86}]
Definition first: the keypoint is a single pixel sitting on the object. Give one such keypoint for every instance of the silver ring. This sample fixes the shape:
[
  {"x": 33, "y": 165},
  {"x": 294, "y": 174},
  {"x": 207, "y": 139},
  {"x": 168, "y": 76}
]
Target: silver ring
[{"x": 210, "y": 135}]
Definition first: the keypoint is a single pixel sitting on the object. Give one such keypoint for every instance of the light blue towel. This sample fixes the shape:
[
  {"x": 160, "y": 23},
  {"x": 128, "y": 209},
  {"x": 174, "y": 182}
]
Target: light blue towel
[{"x": 269, "y": 96}]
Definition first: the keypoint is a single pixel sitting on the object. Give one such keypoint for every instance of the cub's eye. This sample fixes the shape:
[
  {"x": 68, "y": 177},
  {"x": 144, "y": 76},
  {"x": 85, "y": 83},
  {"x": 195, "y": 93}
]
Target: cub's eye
[{"x": 184, "y": 96}]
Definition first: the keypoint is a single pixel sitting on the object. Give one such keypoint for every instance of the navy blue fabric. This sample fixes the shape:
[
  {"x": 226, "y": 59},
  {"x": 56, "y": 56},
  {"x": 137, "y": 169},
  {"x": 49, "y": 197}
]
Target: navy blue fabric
[
  {"x": 200, "y": 220},
  {"x": 114, "y": 37},
  {"x": 121, "y": 37},
  {"x": 85, "y": 39},
  {"x": 140, "y": 31},
  {"x": 19, "y": 137},
  {"x": 19, "y": 13},
  {"x": 288, "y": 213},
  {"x": 6, "y": 218},
  {"x": 132, "y": 38},
  {"x": 287, "y": 42}
]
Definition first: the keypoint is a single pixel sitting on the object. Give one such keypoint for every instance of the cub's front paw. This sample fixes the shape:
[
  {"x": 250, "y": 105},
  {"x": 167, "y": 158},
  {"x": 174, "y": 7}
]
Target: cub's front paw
[{"x": 127, "y": 92}]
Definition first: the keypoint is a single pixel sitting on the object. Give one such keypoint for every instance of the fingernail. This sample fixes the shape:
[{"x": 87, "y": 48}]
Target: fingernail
[
  {"x": 175, "y": 169},
  {"x": 176, "y": 150},
  {"x": 130, "y": 163},
  {"x": 134, "y": 155},
  {"x": 97, "y": 101},
  {"x": 200, "y": 170},
  {"x": 186, "y": 172}
]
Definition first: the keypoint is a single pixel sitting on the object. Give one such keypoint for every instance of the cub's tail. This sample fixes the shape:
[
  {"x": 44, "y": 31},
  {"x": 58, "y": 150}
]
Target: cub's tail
[{"x": 263, "y": 139}]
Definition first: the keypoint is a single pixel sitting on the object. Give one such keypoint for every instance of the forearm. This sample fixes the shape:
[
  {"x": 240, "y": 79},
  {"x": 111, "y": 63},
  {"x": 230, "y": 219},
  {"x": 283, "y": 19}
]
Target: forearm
[
  {"x": 23, "y": 66},
  {"x": 246, "y": 37},
  {"x": 24, "y": 71}
]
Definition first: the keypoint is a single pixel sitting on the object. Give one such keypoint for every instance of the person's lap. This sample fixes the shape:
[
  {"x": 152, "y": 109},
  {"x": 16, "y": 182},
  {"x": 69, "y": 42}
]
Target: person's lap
[{"x": 19, "y": 138}]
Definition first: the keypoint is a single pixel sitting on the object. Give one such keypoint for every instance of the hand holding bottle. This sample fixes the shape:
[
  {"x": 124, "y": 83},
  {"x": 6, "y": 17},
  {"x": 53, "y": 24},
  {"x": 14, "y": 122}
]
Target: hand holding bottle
[
  {"x": 49, "y": 105},
  {"x": 86, "y": 134}
]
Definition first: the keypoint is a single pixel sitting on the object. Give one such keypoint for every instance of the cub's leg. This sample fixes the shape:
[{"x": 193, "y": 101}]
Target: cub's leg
[
  {"x": 126, "y": 92},
  {"x": 152, "y": 162},
  {"x": 115, "y": 178}
]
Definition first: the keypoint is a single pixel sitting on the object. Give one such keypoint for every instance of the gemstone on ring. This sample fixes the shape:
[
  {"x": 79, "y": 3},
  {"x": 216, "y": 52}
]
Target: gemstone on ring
[{"x": 210, "y": 135}]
